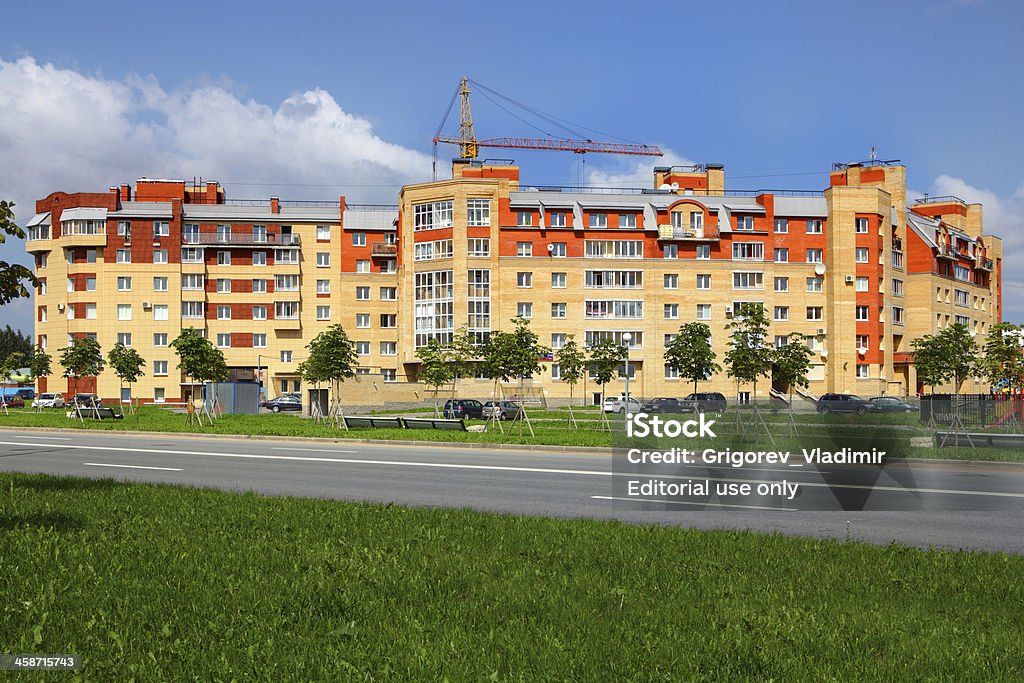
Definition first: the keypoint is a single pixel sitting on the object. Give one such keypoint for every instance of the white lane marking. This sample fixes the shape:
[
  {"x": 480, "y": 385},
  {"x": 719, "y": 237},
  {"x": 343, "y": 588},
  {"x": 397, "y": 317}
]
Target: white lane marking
[
  {"x": 504, "y": 468},
  {"x": 311, "y": 450},
  {"x": 680, "y": 502},
  {"x": 134, "y": 467},
  {"x": 53, "y": 438}
]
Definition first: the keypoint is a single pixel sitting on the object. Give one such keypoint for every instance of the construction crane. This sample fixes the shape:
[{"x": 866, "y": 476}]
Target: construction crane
[{"x": 469, "y": 145}]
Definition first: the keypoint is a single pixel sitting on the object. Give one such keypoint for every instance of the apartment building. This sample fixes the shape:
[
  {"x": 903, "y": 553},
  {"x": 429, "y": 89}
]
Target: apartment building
[{"x": 853, "y": 267}]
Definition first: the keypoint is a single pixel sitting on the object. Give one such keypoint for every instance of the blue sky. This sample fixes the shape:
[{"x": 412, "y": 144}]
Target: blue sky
[{"x": 319, "y": 99}]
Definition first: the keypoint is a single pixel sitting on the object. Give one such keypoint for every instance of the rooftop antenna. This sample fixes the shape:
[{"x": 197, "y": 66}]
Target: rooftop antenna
[{"x": 874, "y": 154}]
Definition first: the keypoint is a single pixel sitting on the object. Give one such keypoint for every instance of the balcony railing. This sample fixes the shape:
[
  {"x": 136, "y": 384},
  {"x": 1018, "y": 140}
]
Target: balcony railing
[
  {"x": 245, "y": 239},
  {"x": 897, "y": 244},
  {"x": 984, "y": 264},
  {"x": 669, "y": 232},
  {"x": 381, "y": 249},
  {"x": 947, "y": 252}
]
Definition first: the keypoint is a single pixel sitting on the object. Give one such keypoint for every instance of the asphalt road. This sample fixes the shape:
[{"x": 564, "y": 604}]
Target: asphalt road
[{"x": 546, "y": 483}]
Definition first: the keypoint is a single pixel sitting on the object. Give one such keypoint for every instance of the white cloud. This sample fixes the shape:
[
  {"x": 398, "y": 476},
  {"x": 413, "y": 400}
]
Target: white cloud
[
  {"x": 63, "y": 130},
  {"x": 634, "y": 173}
]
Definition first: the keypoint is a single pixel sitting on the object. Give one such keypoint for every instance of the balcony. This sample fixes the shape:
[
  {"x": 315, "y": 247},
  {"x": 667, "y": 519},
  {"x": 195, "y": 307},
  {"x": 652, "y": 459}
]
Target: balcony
[
  {"x": 240, "y": 239},
  {"x": 38, "y": 239},
  {"x": 385, "y": 250},
  {"x": 670, "y": 232},
  {"x": 897, "y": 244},
  {"x": 984, "y": 264},
  {"x": 947, "y": 252}
]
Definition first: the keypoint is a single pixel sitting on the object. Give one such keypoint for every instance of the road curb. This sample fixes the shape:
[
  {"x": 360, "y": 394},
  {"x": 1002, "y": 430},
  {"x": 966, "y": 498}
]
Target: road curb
[{"x": 547, "y": 448}]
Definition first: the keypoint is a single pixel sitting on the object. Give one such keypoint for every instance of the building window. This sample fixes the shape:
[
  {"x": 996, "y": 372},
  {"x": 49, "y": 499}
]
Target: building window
[
  {"x": 703, "y": 311},
  {"x": 614, "y": 309},
  {"x": 323, "y": 259},
  {"x": 556, "y": 371},
  {"x": 524, "y": 310},
  {"x": 389, "y": 348},
  {"x": 387, "y": 266},
  {"x": 362, "y": 348},
  {"x": 863, "y": 369},
  {"x": 432, "y": 215},
  {"x": 627, "y": 220},
  {"x": 814, "y": 313},
  {"x": 782, "y": 284},
  {"x": 124, "y": 312},
  {"x": 286, "y": 256},
  {"x": 558, "y": 311},
  {"x": 323, "y": 234},
  {"x": 286, "y": 310},
  {"x": 862, "y": 313},
  {"x": 598, "y": 220},
  {"x": 124, "y": 338},
  {"x": 259, "y": 286},
  {"x": 389, "y": 374},
  {"x": 781, "y": 226},
  {"x": 748, "y": 251},
  {"x": 557, "y": 340},
  {"x": 861, "y": 284},
  {"x": 744, "y": 222},
  {"x": 223, "y": 258},
  {"x": 161, "y": 229},
  {"x": 428, "y": 251},
  {"x": 524, "y": 218},
  {"x": 160, "y": 368},
  {"x": 671, "y": 280},
  {"x": 362, "y": 293},
  {"x": 782, "y": 313},
  {"x": 323, "y": 286},
  {"x": 781, "y": 255},
  {"x": 558, "y": 280},
  {"x": 362, "y": 320},
  {"x": 224, "y": 286},
  {"x": 814, "y": 284},
  {"x": 478, "y": 212},
  {"x": 286, "y": 357},
  {"x": 159, "y": 284},
  {"x": 524, "y": 248},
  {"x": 161, "y": 312},
  {"x": 323, "y": 312},
  {"x": 259, "y": 312},
  {"x": 863, "y": 341},
  {"x": 259, "y": 258},
  {"x": 223, "y": 341},
  {"x": 556, "y": 219},
  {"x": 124, "y": 284},
  {"x": 159, "y": 256},
  {"x": 388, "y": 320},
  {"x": 388, "y": 293},
  {"x": 814, "y": 227},
  {"x": 433, "y": 299},
  {"x": 671, "y": 311},
  {"x": 259, "y": 340},
  {"x": 671, "y": 372},
  {"x": 862, "y": 255},
  {"x": 478, "y": 246},
  {"x": 897, "y": 287},
  {"x": 897, "y": 315},
  {"x": 862, "y": 226},
  {"x": 672, "y": 251},
  {"x": 191, "y": 255},
  {"x": 224, "y": 313},
  {"x": 362, "y": 266},
  {"x": 160, "y": 339},
  {"x": 124, "y": 256},
  {"x": 813, "y": 256},
  {"x": 524, "y": 279},
  {"x": 286, "y": 283},
  {"x": 124, "y": 229},
  {"x": 748, "y": 280},
  {"x": 781, "y": 340},
  {"x": 557, "y": 249}
]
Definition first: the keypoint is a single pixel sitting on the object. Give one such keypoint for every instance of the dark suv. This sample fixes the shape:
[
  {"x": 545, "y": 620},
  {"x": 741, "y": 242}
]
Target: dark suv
[
  {"x": 666, "y": 405},
  {"x": 706, "y": 402},
  {"x": 845, "y": 403},
  {"x": 463, "y": 408}
]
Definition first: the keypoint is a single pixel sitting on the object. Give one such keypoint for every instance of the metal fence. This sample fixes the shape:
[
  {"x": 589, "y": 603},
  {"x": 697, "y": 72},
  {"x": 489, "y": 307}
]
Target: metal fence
[{"x": 974, "y": 410}]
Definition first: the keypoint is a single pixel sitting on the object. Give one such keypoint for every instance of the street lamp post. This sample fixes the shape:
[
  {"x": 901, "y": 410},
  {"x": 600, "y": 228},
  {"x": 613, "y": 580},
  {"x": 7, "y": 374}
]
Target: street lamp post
[{"x": 626, "y": 339}]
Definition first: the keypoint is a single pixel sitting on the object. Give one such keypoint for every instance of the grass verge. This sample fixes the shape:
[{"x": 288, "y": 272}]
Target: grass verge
[{"x": 166, "y": 583}]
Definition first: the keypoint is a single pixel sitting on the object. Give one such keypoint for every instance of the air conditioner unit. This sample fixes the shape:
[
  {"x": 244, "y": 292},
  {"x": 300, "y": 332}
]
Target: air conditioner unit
[
  {"x": 60, "y": 307},
  {"x": 821, "y": 331},
  {"x": 728, "y": 311},
  {"x": 849, "y": 279},
  {"x": 146, "y": 305}
]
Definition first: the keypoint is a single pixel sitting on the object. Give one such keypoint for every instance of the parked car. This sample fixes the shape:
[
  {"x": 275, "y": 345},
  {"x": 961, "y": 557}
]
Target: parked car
[
  {"x": 13, "y": 402},
  {"x": 666, "y": 405},
  {"x": 286, "y": 402},
  {"x": 48, "y": 400},
  {"x": 87, "y": 400},
  {"x": 845, "y": 403},
  {"x": 506, "y": 410},
  {"x": 891, "y": 404},
  {"x": 617, "y": 404},
  {"x": 706, "y": 402},
  {"x": 463, "y": 408}
]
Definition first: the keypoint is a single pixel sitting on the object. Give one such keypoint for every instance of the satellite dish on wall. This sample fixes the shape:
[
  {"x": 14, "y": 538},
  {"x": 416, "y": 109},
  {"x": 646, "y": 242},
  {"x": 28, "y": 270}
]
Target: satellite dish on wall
[
  {"x": 675, "y": 186},
  {"x": 664, "y": 186},
  {"x": 819, "y": 269},
  {"x": 824, "y": 353},
  {"x": 861, "y": 350}
]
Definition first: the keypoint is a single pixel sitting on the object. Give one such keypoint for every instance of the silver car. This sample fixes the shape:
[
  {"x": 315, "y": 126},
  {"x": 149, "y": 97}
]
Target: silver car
[
  {"x": 49, "y": 401},
  {"x": 617, "y": 404}
]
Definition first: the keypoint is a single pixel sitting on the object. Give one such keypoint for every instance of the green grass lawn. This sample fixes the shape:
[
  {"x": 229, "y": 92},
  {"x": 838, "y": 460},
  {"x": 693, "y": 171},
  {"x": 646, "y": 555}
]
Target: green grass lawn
[
  {"x": 166, "y": 583},
  {"x": 549, "y": 428}
]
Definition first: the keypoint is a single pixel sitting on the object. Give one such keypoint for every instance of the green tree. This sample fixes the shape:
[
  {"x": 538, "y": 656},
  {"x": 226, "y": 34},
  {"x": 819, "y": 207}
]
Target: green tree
[
  {"x": 9, "y": 366},
  {"x": 460, "y": 353},
  {"x": 332, "y": 359},
  {"x": 13, "y": 341},
  {"x": 39, "y": 363},
  {"x": 749, "y": 356},
  {"x": 200, "y": 361},
  {"x": 950, "y": 355},
  {"x": 515, "y": 355},
  {"x": 1003, "y": 361},
  {"x": 82, "y": 358},
  {"x": 604, "y": 357},
  {"x": 793, "y": 363},
  {"x": 690, "y": 353},
  {"x": 436, "y": 368},
  {"x": 127, "y": 364},
  {"x": 929, "y": 361},
  {"x": 572, "y": 367},
  {"x": 12, "y": 275}
]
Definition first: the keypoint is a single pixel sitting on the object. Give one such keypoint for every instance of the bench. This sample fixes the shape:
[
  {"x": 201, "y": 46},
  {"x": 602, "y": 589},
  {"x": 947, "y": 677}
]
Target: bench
[
  {"x": 431, "y": 423},
  {"x": 983, "y": 439},
  {"x": 368, "y": 421}
]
